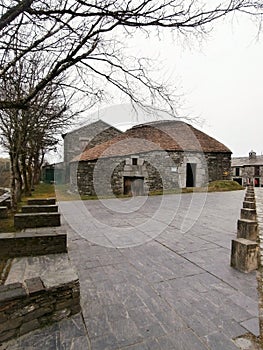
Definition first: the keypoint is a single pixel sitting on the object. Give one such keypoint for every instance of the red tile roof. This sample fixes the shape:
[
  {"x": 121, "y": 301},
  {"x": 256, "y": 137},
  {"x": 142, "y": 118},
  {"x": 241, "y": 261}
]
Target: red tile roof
[{"x": 167, "y": 135}]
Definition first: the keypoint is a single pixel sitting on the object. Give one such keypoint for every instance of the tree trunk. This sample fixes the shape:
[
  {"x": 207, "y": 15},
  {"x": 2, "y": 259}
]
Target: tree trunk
[
  {"x": 16, "y": 182},
  {"x": 26, "y": 183}
]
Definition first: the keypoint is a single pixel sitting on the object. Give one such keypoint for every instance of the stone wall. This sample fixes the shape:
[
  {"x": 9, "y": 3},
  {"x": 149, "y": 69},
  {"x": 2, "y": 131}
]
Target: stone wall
[
  {"x": 92, "y": 134},
  {"x": 29, "y": 220},
  {"x": 39, "y": 209},
  {"x": 219, "y": 166},
  {"x": 159, "y": 169},
  {"x": 28, "y": 306},
  {"x": 28, "y": 244}
]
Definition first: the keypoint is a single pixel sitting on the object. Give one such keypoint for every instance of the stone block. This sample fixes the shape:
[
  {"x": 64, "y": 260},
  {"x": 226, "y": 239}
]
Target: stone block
[
  {"x": 29, "y": 220},
  {"x": 34, "y": 285},
  {"x": 30, "y": 244},
  {"x": 8, "y": 335},
  {"x": 248, "y": 214},
  {"x": 3, "y": 212},
  {"x": 249, "y": 205},
  {"x": 250, "y": 192},
  {"x": 244, "y": 255},
  {"x": 39, "y": 209},
  {"x": 29, "y": 326},
  {"x": 41, "y": 201},
  {"x": 11, "y": 292},
  {"x": 249, "y": 198},
  {"x": 247, "y": 229}
]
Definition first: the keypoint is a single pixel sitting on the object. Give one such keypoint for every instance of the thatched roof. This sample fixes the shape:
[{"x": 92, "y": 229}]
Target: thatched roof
[{"x": 167, "y": 135}]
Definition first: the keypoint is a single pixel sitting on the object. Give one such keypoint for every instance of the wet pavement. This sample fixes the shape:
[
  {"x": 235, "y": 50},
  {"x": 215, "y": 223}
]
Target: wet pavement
[{"x": 154, "y": 274}]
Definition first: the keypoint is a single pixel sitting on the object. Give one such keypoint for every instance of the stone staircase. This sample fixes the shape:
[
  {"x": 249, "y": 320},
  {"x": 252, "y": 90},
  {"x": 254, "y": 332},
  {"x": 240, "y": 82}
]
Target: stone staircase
[{"x": 41, "y": 286}]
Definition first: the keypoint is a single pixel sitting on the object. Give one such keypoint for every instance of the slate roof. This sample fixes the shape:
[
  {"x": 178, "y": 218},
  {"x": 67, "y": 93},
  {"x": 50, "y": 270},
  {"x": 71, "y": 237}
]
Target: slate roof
[
  {"x": 169, "y": 135},
  {"x": 245, "y": 161}
]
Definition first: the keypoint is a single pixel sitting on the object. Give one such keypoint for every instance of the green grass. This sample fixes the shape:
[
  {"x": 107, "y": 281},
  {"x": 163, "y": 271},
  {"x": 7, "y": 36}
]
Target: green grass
[{"x": 224, "y": 185}]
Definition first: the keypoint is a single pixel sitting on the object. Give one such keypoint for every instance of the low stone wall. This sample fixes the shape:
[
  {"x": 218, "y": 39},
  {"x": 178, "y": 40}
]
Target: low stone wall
[
  {"x": 30, "y": 244},
  {"x": 29, "y": 220},
  {"x": 39, "y": 209},
  {"x": 28, "y": 306},
  {"x": 3, "y": 212},
  {"x": 41, "y": 201}
]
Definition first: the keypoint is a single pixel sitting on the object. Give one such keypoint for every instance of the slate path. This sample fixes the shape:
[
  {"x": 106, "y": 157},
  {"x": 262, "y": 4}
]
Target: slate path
[{"x": 154, "y": 274}]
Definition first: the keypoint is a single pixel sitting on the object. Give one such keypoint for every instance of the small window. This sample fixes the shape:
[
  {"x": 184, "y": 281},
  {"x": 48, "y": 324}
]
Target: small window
[
  {"x": 237, "y": 171},
  {"x": 134, "y": 161}
]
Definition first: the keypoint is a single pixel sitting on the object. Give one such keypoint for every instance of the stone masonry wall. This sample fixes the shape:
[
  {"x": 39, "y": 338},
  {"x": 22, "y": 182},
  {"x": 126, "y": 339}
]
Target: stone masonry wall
[
  {"x": 94, "y": 134},
  {"x": 219, "y": 166},
  {"x": 28, "y": 306},
  {"x": 30, "y": 244},
  {"x": 160, "y": 170},
  {"x": 26, "y": 220}
]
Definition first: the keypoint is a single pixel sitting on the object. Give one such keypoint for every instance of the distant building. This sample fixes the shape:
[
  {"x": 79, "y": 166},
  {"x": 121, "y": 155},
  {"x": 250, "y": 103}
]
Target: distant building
[
  {"x": 87, "y": 136},
  {"x": 246, "y": 170},
  {"x": 154, "y": 156}
]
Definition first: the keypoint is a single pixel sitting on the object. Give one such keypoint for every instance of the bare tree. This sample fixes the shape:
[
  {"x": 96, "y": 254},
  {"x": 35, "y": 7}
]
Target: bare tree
[
  {"x": 87, "y": 38},
  {"x": 28, "y": 133}
]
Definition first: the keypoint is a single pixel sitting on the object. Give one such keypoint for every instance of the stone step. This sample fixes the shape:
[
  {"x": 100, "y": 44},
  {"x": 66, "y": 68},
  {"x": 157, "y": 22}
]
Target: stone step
[
  {"x": 249, "y": 205},
  {"x": 29, "y": 243},
  {"x": 38, "y": 290},
  {"x": 244, "y": 255},
  {"x": 3, "y": 212},
  {"x": 39, "y": 208},
  {"x": 41, "y": 201},
  {"x": 26, "y": 220},
  {"x": 247, "y": 229},
  {"x": 248, "y": 214}
]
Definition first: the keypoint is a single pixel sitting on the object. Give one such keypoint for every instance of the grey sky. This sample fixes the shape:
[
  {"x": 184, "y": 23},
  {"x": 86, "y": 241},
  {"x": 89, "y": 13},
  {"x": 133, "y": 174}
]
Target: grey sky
[{"x": 221, "y": 81}]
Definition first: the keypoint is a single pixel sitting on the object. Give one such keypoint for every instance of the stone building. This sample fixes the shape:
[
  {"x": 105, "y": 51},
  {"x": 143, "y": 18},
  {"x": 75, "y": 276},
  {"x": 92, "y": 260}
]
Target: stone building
[
  {"x": 88, "y": 135},
  {"x": 246, "y": 170},
  {"x": 154, "y": 156}
]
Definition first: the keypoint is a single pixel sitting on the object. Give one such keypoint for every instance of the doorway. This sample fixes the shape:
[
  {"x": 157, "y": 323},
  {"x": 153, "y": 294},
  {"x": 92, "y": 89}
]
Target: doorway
[
  {"x": 190, "y": 174},
  {"x": 256, "y": 181},
  {"x": 133, "y": 186}
]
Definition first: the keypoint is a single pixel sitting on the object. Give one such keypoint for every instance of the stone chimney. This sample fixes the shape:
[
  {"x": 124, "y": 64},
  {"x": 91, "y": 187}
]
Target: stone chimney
[{"x": 252, "y": 155}]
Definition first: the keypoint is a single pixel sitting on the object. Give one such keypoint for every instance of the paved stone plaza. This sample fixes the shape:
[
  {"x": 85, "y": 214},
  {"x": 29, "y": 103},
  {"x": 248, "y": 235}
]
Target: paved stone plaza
[{"x": 154, "y": 274}]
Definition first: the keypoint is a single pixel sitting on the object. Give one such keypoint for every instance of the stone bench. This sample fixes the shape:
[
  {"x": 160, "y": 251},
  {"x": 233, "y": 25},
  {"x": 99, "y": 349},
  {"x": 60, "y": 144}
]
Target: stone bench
[
  {"x": 39, "y": 209},
  {"x": 26, "y": 220},
  {"x": 38, "y": 291},
  {"x": 17, "y": 244},
  {"x": 41, "y": 201},
  {"x": 3, "y": 212}
]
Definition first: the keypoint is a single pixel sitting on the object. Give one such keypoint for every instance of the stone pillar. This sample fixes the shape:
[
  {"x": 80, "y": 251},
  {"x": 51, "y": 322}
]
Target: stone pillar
[{"x": 244, "y": 251}]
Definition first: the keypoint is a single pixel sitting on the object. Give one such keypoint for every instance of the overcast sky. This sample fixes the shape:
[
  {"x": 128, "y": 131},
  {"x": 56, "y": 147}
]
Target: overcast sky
[{"x": 221, "y": 82}]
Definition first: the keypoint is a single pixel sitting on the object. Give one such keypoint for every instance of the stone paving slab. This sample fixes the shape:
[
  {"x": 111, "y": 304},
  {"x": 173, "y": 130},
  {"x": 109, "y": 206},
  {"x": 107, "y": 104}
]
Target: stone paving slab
[
  {"x": 175, "y": 290},
  {"x": 54, "y": 269}
]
